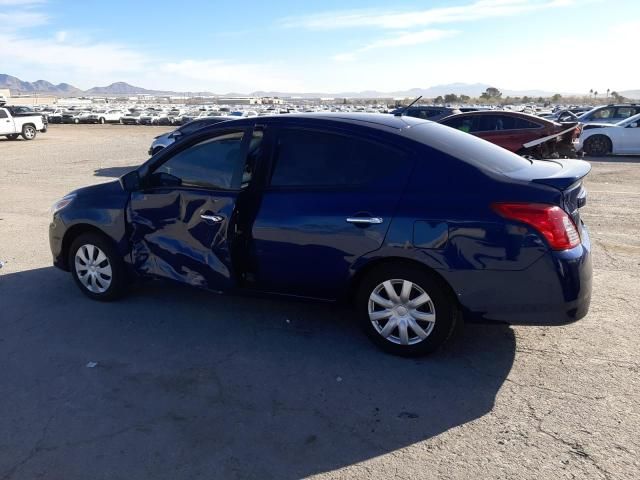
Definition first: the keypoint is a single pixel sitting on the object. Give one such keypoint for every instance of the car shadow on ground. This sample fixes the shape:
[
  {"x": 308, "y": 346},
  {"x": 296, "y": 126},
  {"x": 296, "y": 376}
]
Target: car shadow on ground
[
  {"x": 114, "y": 172},
  {"x": 189, "y": 384}
]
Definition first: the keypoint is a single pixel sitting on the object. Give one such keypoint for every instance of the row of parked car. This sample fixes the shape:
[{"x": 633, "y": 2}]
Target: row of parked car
[
  {"x": 565, "y": 133},
  {"x": 151, "y": 116}
]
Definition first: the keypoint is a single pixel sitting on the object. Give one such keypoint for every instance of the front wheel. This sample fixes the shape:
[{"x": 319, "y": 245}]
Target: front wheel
[
  {"x": 597, "y": 146},
  {"x": 97, "y": 268},
  {"x": 29, "y": 132},
  {"x": 13, "y": 136},
  {"x": 406, "y": 310},
  {"x": 102, "y": 121}
]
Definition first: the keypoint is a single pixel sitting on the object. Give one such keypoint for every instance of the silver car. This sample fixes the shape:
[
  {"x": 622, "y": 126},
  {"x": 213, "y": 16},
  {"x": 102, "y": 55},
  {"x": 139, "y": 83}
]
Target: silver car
[{"x": 163, "y": 141}]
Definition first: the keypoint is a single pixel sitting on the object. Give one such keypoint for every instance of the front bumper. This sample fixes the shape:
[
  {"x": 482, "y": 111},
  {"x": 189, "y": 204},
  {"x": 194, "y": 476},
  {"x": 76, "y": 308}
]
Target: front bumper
[{"x": 57, "y": 229}]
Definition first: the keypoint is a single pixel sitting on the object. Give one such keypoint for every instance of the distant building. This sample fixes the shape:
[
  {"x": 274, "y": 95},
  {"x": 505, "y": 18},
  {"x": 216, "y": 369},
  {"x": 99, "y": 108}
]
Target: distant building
[
  {"x": 239, "y": 101},
  {"x": 30, "y": 100}
]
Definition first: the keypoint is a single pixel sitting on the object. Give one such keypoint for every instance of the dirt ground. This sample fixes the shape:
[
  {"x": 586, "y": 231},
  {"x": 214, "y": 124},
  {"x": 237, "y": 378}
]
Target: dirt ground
[{"x": 193, "y": 385}]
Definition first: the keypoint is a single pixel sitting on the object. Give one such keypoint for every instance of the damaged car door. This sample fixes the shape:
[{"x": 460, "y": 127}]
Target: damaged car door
[{"x": 184, "y": 219}]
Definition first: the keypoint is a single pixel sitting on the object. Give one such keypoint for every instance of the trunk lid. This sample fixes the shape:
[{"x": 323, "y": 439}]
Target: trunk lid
[{"x": 564, "y": 175}]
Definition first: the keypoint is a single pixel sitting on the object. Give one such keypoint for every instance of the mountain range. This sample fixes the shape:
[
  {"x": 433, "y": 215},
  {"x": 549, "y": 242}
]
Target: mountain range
[{"x": 17, "y": 87}]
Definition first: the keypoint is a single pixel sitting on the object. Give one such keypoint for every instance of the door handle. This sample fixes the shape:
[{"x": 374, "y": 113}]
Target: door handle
[
  {"x": 211, "y": 218},
  {"x": 365, "y": 220}
]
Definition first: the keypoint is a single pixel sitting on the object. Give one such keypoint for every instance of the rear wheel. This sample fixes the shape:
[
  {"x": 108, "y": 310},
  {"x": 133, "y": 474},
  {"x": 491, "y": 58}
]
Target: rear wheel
[
  {"x": 597, "y": 146},
  {"x": 102, "y": 120},
  {"x": 405, "y": 310},
  {"x": 97, "y": 268},
  {"x": 29, "y": 132}
]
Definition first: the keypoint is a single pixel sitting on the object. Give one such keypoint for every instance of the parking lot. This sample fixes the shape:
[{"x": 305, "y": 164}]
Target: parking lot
[{"x": 177, "y": 383}]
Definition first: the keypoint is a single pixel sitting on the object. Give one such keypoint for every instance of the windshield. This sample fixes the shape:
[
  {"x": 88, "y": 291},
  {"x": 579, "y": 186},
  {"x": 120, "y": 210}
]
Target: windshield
[{"x": 630, "y": 120}]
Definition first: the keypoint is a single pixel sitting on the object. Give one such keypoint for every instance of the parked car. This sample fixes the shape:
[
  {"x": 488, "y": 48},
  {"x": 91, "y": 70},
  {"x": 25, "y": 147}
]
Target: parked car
[
  {"x": 132, "y": 118},
  {"x": 173, "y": 117},
  {"x": 22, "y": 123},
  {"x": 74, "y": 116},
  {"x": 426, "y": 112},
  {"x": 166, "y": 139},
  {"x": 520, "y": 133},
  {"x": 610, "y": 113},
  {"x": 149, "y": 118},
  {"x": 418, "y": 224},
  {"x": 599, "y": 139},
  {"x": 103, "y": 116},
  {"x": 55, "y": 115}
]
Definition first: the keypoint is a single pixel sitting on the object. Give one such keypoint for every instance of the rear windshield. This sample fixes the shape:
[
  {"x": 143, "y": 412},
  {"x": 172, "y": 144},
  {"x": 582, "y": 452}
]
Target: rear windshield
[{"x": 466, "y": 147}]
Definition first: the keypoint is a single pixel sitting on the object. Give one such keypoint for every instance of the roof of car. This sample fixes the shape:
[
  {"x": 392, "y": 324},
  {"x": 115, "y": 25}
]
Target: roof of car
[
  {"x": 375, "y": 120},
  {"x": 510, "y": 113}
]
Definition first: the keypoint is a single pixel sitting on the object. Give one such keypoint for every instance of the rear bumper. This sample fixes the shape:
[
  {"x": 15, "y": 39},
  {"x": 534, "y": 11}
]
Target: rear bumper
[{"x": 555, "y": 290}]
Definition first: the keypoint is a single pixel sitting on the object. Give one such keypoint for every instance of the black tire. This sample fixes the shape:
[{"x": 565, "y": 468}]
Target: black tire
[
  {"x": 102, "y": 121},
  {"x": 29, "y": 132},
  {"x": 597, "y": 146},
  {"x": 442, "y": 304},
  {"x": 118, "y": 281},
  {"x": 13, "y": 136}
]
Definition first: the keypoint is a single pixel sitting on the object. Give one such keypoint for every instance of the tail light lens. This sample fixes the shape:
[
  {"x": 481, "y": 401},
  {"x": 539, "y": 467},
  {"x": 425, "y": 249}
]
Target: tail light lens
[{"x": 550, "y": 220}]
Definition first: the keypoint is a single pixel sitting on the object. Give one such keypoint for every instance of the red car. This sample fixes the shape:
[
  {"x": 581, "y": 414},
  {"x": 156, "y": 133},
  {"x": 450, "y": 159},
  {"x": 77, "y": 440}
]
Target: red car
[{"x": 519, "y": 132}]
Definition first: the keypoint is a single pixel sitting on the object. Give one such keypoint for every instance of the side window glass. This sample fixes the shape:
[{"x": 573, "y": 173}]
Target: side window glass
[
  {"x": 521, "y": 123},
  {"x": 311, "y": 158},
  {"x": 624, "y": 112},
  {"x": 487, "y": 123},
  {"x": 461, "y": 123},
  {"x": 417, "y": 113},
  {"x": 213, "y": 163},
  {"x": 603, "y": 114},
  {"x": 3, "y": 114}
]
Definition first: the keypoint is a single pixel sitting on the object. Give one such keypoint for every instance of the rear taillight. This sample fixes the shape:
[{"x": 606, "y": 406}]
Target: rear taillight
[{"x": 551, "y": 221}]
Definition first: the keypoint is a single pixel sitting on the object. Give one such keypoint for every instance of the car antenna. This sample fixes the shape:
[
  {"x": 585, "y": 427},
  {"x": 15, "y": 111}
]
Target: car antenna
[{"x": 404, "y": 110}]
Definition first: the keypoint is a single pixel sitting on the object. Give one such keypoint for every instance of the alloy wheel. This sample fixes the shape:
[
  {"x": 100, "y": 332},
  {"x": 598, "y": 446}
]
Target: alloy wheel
[{"x": 401, "y": 312}]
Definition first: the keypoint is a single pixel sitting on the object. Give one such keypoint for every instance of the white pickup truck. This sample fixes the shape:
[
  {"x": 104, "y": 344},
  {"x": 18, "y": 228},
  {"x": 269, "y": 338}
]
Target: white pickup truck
[{"x": 27, "y": 124}]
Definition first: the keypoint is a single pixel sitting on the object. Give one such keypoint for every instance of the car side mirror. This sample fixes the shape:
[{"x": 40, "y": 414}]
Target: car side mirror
[
  {"x": 633, "y": 125},
  {"x": 131, "y": 181},
  {"x": 176, "y": 135}
]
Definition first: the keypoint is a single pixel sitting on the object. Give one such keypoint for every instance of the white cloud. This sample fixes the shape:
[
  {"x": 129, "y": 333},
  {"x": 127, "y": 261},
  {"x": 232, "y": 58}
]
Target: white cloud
[
  {"x": 220, "y": 75},
  {"x": 402, "y": 39},
  {"x": 61, "y": 36},
  {"x": 394, "y": 19},
  {"x": 14, "y": 21}
]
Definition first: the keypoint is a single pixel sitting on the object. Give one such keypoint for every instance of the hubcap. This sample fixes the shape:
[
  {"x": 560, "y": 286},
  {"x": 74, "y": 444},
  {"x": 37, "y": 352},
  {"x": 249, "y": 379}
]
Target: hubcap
[
  {"x": 402, "y": 312},
  {"x": 28, "y": 132},
  {"x": 93, "y": 268}
]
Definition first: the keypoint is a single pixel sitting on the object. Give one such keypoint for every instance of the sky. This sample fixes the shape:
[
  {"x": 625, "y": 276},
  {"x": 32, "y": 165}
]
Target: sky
[{"x": 566, "y": 46}]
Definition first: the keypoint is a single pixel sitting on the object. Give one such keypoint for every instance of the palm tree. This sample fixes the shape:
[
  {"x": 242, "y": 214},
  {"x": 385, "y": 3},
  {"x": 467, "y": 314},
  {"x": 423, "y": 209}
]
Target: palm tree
[
  {"x": 608, "y": 92},
  {"x": 595, "y": 94},
  {"x": 591, "y": 92}
]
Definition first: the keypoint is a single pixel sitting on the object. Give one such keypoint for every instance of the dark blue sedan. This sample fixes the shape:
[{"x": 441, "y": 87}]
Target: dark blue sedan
[{"x": 420, "y": 225}]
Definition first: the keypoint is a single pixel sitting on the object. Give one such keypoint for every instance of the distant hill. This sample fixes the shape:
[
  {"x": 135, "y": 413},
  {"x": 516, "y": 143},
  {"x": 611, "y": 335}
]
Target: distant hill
[
  {"x": 122, "y": 88},
  {"x": 18, "y": 86},
  {"x": 632, "y": 94}
]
